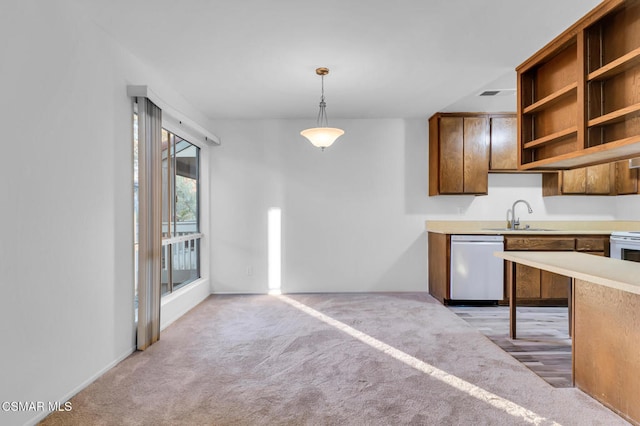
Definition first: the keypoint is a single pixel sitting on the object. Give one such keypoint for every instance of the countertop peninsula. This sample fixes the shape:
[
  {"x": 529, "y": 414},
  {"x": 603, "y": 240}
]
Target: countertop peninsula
[
  {"x": 604, "y": 323},
  {"x": 613, "y": 273}
]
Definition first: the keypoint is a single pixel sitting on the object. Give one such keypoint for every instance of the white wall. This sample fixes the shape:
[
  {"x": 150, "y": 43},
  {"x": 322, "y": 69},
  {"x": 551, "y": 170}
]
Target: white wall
[
  {"x": 628, "y": 207},
  {"x": 353, "y": 216},
  {"x": 345, "y": 224},
  {"x": 66, "y": 265}
]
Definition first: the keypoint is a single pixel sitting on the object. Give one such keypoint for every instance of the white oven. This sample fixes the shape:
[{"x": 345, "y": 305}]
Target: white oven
[{"x": 625, "y": 246}]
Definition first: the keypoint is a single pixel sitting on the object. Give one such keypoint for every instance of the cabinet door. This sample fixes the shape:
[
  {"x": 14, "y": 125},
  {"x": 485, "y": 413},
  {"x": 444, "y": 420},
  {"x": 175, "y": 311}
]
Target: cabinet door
[
  {"x": 626, "y": 178},
  {"x": 503, "y": 141},
  {"x": 554, "y": 286},
  {"x": 439, "y": 257},
  {"x": 592, "y": 180},
  {"x": 528, "y": 282},
  {"x": 574, "y": 181},
  {"x": 451, "y": 155},
  {"x": 599, "y": 179},
  {"x": 476, "y": 155}
]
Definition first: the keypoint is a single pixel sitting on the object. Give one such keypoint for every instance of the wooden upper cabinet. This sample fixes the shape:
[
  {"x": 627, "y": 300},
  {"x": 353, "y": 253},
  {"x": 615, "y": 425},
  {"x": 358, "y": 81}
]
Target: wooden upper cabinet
[
  {"x": 451, "y": 155},
  {"x": 599, "y": 179},
  {"x": 574, "y": 181},
  {"x": 626, "y": 178},
  {"x": 465, "y": 146},
  {"x": 458, "y": 154},
  {"x": 602, "y": 179},
  {"x": 579, "y": 96},
  {"x": 503, "y": 140},
  {"x": 592, "y": 180},
  {"x": 476, "y": 155}
]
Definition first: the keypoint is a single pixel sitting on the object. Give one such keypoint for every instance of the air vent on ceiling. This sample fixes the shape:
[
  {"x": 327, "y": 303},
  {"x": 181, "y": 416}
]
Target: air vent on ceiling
[{"x": 501, "y": 92}]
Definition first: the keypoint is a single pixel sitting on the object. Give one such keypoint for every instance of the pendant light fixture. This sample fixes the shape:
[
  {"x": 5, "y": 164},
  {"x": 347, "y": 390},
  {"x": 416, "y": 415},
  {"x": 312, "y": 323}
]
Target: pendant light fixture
[{"x": 322, "y": 136}]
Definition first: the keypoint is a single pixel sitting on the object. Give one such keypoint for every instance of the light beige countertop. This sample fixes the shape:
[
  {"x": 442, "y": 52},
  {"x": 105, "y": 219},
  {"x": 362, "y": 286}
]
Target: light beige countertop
[
  {"x": 614, "y": 273},
  {"x": 498, "y": 227}
]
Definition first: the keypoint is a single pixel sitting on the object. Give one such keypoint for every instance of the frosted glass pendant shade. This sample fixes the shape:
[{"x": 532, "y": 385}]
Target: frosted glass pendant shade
[{"x": 322, "y": 137}]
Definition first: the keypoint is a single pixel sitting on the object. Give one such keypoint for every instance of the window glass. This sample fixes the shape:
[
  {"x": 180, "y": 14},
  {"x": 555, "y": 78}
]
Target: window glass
[
  {"x": 186, "y": 262},
  {"x": 180, "y": 212},
  {"x": 186, "y": 188}
]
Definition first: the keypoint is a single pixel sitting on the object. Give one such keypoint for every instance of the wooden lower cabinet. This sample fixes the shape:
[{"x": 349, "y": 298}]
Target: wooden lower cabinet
[
  {"x": 606, "y": 347},
  {"x": 536, "y": 287},
  {"x": 528, "y": 280},
  {"x": 594, "y": 245},
  {"x": 540, "y": 287},
  {"x": 439, "y": 261},
  {"x": 554, "y": 286}
]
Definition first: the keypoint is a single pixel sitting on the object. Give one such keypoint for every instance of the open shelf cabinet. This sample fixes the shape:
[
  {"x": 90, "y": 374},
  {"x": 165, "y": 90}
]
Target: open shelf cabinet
[{"x": 579, "y": 96}]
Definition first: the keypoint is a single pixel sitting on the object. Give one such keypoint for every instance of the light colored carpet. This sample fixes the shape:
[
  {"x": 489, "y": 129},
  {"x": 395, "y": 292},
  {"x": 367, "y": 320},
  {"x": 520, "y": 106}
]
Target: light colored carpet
[{"x": 258, "y": 360}]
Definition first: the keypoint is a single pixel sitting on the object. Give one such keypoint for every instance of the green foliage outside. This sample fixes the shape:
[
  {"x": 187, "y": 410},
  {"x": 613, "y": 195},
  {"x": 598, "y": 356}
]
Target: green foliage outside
[{"x": 186, "y": 199}]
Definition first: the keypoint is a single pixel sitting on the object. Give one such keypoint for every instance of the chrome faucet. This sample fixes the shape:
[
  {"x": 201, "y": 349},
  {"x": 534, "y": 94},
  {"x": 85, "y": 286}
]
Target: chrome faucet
[{"x": 515, "y": 222}]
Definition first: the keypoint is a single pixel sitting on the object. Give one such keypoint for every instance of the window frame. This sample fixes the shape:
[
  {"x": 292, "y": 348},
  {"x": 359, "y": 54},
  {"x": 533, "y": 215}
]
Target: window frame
[{"x": 170, "y": 241}]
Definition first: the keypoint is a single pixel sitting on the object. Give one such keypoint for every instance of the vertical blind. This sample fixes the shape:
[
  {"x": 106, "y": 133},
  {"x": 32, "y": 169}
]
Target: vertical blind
[{"x": 150, "y": 221}]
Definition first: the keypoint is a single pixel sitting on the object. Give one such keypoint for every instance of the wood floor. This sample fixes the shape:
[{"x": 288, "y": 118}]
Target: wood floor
[{"x": 543, "y": 343}]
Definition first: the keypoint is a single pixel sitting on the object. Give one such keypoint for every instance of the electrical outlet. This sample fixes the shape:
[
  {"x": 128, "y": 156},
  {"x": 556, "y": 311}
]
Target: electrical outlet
[{"x": 249, "y": 271}]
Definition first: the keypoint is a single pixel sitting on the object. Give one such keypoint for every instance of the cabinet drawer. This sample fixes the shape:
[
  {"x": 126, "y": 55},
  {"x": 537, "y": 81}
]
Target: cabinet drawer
[
  {"x": 539, "y": 243},
  {"x": 590, "y": 244}
]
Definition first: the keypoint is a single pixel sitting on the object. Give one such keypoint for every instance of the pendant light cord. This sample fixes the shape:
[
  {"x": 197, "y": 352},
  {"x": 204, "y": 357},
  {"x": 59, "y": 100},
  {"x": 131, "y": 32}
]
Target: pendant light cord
[{"x": 323, "y": 121}]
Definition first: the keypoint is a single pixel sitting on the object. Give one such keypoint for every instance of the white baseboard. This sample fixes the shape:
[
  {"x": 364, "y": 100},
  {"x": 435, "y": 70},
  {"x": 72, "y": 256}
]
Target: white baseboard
[
  {"x": 40, "y": 416},
  {"x": 173, "y": 307}
]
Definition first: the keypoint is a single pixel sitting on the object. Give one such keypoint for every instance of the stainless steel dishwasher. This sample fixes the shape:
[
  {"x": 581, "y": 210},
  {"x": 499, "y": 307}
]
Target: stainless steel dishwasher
[{"x": 476, "y": 274}]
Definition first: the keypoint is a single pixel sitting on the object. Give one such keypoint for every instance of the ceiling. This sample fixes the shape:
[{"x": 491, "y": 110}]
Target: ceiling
[{"x": 388, "y": 59}]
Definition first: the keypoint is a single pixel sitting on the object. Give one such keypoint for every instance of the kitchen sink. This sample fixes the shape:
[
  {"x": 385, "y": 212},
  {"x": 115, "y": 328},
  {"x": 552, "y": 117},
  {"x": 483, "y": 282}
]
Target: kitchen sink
[{"x": 519, "y": 229}]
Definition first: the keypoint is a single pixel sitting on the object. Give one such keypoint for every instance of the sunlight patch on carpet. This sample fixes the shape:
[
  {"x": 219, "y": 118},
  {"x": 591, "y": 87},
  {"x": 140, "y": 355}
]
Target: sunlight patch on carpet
[{"x": 462, "y": 385}]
